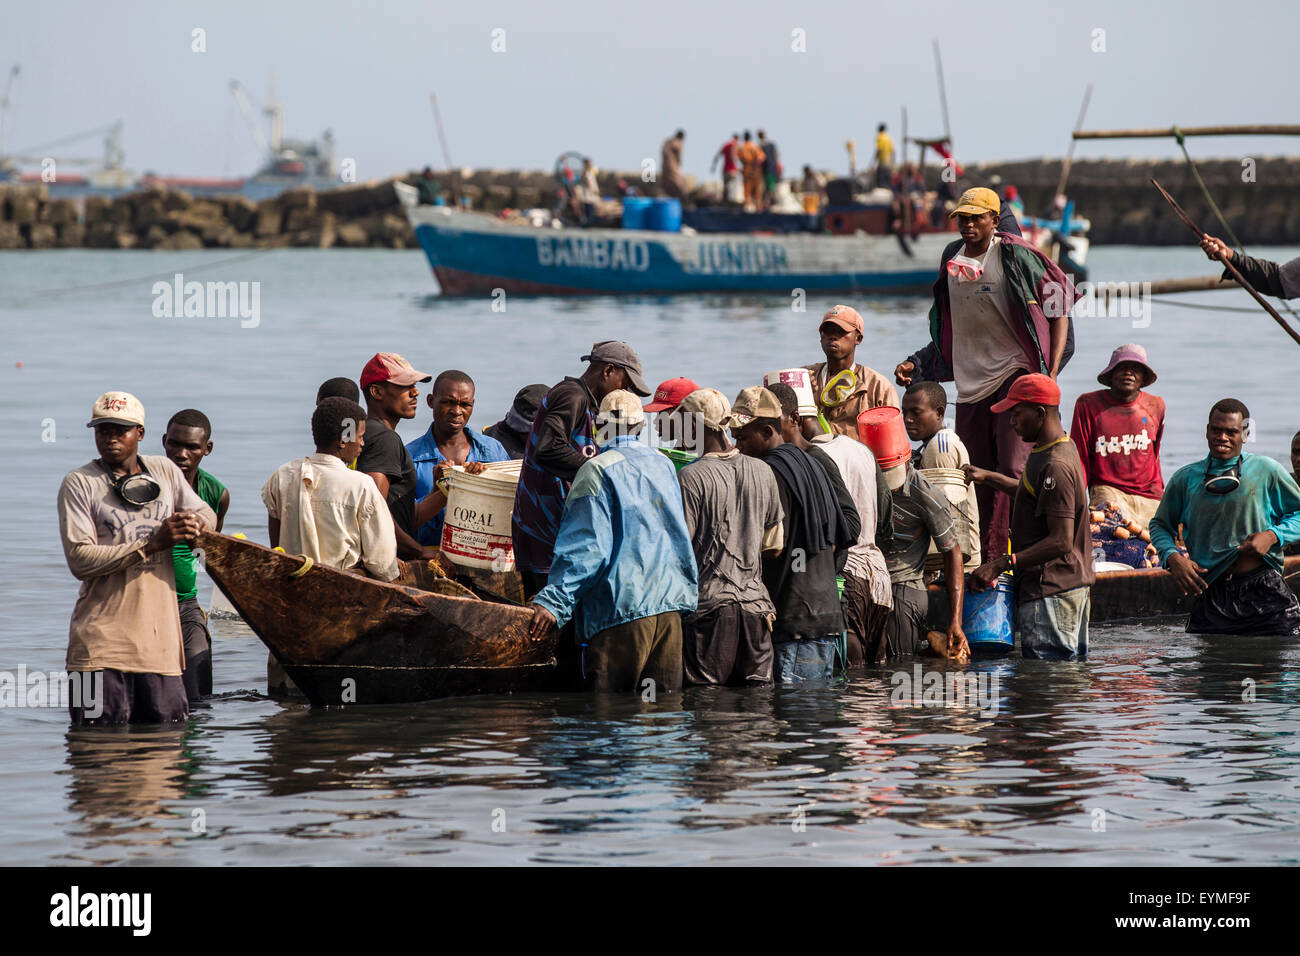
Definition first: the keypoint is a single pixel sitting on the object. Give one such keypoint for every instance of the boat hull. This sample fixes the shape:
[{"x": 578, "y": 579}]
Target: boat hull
[
  {"x": 1120, "y": 596},
  {"x": 348, "y": 639},
  {"x": 474, "y": 254}
]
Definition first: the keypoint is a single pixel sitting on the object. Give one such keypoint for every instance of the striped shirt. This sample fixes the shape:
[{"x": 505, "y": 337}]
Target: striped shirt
[{"x": 920, "y": 513}]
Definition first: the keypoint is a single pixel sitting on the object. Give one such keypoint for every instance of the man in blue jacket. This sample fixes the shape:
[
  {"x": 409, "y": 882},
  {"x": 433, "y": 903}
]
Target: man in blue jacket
[
  {"x": 1237, "y": 512},
  {"x": 623, "y": 568}
]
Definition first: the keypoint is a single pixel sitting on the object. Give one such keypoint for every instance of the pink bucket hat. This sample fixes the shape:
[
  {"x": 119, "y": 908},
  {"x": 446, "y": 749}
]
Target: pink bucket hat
[{"x": 1128, "y": 353}]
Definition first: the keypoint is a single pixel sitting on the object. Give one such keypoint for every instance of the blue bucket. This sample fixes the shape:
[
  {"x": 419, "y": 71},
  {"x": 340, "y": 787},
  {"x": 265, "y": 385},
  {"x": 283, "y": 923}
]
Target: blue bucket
[
  {"x": 989, "y": 617},
  {"x": 665, "y": 215},
  {"x": 635, "y": 212}
]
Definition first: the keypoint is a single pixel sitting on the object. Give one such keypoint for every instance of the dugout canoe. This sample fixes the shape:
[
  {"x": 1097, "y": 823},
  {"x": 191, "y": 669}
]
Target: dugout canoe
[
  {"x": 1120, "y": 596},
  {"x": 394, "y": 643}
]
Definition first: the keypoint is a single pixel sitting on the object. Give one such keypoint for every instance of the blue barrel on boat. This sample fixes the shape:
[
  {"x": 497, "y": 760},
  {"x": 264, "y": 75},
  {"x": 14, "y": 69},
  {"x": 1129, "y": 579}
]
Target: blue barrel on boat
[
  {"x": 665, "y": 215},
  {"x": 989, "y": 617},
  {"x": 635, "y": 211}
]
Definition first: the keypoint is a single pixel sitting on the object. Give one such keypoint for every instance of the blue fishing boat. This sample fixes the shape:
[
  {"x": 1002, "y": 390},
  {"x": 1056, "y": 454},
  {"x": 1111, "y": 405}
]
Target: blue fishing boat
[{"x": 476, "y": 254}]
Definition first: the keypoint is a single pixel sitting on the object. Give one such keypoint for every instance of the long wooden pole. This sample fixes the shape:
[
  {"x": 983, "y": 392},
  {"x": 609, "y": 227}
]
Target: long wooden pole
[
  {"x": 1069, "y": 156},
  {"x": 1200, "y": 235},
  {"x": 1172, "y": 131},
  {"x": 943, "y": 94}
]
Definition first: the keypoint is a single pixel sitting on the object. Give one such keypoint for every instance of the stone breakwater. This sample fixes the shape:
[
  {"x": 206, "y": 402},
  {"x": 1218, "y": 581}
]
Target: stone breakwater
[
  {"x": 1261, "y": 201},
  {"x": 350, "y": 216}
]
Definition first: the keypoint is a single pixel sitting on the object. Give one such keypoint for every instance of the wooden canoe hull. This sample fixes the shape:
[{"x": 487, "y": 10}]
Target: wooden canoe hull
[
  {"x": 344, "y": 638},
  {"x": 1119, "y": 596}
]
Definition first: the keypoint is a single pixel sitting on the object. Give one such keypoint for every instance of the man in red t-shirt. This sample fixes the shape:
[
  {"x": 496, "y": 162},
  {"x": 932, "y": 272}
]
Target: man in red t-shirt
[{"x": 1118, "y": 431}]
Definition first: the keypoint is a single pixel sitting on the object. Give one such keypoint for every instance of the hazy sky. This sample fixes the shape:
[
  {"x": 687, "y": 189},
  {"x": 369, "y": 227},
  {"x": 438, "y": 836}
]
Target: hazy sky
[{"x": 613, "y": 79}]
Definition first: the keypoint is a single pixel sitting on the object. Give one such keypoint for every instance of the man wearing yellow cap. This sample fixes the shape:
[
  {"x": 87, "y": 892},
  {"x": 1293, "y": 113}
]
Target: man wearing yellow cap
[{"x": 1001, "y": 310}]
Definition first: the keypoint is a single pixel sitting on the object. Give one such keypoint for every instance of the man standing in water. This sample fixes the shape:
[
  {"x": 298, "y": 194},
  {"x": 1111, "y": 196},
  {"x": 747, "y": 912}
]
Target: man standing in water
[
  {"x": 119, "y": 518},
  {"x": 1118, "y": 433},
  {"x": 1051, "y": 545},
  {"x": 733, "y": 514},
  {"x": 388, "y": 384},
  {"x": 561, "y": 441},
  {"x": 449, "y": 441},
  {"x": 843, "y": 388},
  {"x": 1237, "y": 511},
  {"x": 1001, "y": 310},
  {"x": 623, "y": 567},
  {"x": 801, "y": 579},
  {"x": 187, "y": 442}
]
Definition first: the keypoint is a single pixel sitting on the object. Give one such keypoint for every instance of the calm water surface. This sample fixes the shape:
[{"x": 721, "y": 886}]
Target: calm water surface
[{"x": 1160, "y": 749}]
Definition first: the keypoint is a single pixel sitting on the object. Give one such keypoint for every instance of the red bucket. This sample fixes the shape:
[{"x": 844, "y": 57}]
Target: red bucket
[{"x": 882, "y": 430}]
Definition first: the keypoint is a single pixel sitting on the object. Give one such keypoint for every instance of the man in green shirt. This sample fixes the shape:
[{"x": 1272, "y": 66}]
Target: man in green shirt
[{"x": 187, "y": 441}]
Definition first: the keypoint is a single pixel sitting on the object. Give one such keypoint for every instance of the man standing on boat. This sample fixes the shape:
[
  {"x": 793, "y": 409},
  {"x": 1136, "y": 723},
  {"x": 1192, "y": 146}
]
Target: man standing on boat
[
  {"x": 884, "y": 158},
  {"x": 561, "y": 441},
  {"x": 1118, "y": 432},
  {"x": 771, "y": 170},
  {"x": 1001, "y": 310},
  {"x": 119, "y": 518},
  {"x": 449, "y": 441},
  {"x": 843, "y": 388},
  {"x": 1266, "y": 277},
  {"x": 751, "y": 158},
  {"x": 623, "y": 569},
  {"x": 1237, "y": 512},
  {"x": 734, "y": 517},
  {"x": 671, "y": 156},
  {"x": 1051, "y": 544},
  {"x": 730, "y": 166}
]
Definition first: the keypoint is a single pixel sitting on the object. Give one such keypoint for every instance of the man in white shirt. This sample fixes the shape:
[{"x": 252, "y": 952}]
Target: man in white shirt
[{"x": 318, "y": 507}]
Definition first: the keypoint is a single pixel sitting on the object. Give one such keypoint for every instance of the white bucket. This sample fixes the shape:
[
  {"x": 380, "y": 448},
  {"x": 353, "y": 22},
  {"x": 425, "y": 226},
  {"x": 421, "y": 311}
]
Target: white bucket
[
  {"x": 951, "y": 483},
  {"x": 476, "y": 526},
  {"x": 799, "y": 379}
]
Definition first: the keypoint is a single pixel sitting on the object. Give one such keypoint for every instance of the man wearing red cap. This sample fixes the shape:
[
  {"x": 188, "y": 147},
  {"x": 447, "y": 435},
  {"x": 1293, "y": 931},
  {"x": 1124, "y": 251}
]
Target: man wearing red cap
[
  {"x": 1118, "y": 431},
  {"x": 667, "y": 397},
  {"x": 1001, "y": 310},
  {"x": 844, "y": 389},
  {"x": 388, "y": 385},
  {"x": 1051, "y": 545}
]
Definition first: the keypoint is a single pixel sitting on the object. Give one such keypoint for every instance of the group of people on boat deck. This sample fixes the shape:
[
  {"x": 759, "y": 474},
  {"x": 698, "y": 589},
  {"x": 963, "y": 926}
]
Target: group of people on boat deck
[{"x": 726, "y": 571}]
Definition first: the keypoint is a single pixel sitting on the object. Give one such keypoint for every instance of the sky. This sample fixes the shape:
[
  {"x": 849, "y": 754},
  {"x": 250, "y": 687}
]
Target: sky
[{"x": 612, "y": 80}]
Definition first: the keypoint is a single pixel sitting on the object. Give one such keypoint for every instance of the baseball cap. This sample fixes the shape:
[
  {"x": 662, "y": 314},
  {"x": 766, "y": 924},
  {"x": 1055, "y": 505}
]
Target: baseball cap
[
  {"x": 116, "y": 408},
  {"x": 709, "y": 404},
  {"x": 669, "y": 394},
  {"x": 751, "y": 403},
  {"x": 620, "y": 407},
  {"x": 844, "y": 316},
  {"x": 1034, "y": 389},
  {"x": 391, "y": 367},
  {"x": 977, "y": 201},
  {"x": 620, "y": 354}
]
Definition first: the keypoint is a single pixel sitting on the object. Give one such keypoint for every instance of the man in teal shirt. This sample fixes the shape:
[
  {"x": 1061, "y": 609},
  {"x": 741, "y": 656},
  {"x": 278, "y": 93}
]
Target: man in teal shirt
[
  {"x": 1237, "y": 512},
  {"x": 187, "y": 441}
]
